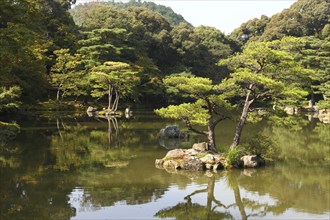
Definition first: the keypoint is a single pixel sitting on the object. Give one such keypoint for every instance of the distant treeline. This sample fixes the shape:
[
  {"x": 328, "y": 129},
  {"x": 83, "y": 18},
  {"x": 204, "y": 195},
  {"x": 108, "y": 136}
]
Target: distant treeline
[{"x": 52, "y": 50}]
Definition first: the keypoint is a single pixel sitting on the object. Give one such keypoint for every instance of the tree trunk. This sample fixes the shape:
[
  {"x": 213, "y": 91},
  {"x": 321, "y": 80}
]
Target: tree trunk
[
  {"x": 211, "y": 137},
  {"x": 62, "y": 97},
  {"x": 239, "y": 202},
  {"x": 240, "y": 124},
  {"x": 115, "y": 103},
  {"x": 109, "y": 97}
]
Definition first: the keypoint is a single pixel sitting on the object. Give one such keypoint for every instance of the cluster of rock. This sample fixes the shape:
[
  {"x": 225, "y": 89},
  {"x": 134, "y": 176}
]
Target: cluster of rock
[
  {"x": 196, "y": 158},
  {"x": 313, "y": 112},
  {"x": 199, "y": 158},
  {"x": 323, "y": 115}
]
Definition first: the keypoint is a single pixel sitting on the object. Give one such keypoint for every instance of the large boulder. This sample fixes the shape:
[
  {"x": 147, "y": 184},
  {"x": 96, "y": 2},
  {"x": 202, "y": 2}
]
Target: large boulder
[
  {"x": 252, "y": 161},
  {"x": 172, "y": 131}
]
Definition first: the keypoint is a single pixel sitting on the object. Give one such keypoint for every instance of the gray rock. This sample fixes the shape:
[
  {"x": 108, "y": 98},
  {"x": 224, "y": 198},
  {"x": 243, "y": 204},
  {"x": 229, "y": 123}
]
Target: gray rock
[
  {"x": 172, "y": 131},
  {"x": 252, "y": 161},
  {"x": 201, "y": 147},
  {"x": 193, "y": 163}
]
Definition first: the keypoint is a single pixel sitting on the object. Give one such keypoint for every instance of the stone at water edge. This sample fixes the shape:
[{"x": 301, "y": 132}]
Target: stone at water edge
[
  {"x": 252, "y": 161},
  {"x": 201, "y": 146},
  {"x": 193, "y": 163},
  {"x": 176, "y": 153}
]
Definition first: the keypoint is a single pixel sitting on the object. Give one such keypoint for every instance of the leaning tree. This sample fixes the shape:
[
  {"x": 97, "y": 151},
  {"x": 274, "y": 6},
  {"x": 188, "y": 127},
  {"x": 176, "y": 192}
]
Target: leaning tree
[
  {"x": 208, "y": 107},
  {"x": 265, "y": 74}
]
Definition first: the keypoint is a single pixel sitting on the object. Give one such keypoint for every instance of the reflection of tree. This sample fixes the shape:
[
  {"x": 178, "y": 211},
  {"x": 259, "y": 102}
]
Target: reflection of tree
[
  {"x": 112, "y": 125},
  {"x": 245, "y": 202},
  {"x": 290, "y": 187},
  {"x": 307, "y": 146},
  {"x": 189, "y": 210}
]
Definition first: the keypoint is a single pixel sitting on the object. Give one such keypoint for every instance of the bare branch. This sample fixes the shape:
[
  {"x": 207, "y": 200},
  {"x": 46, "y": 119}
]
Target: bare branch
[{"x": 189, "y": 126}]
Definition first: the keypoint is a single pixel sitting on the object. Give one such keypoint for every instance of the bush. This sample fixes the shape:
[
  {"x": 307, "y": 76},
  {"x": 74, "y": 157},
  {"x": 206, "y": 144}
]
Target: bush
[{"x": 233, "y": 157}]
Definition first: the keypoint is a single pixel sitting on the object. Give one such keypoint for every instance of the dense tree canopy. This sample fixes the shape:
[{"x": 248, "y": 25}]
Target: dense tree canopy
[
  {"x": 51, "y": 51},
  {"x": 303, "y": 18},
  {"x": 265, "y": 72}
]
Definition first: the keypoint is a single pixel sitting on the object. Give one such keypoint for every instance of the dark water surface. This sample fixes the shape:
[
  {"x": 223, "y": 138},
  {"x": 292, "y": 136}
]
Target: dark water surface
[{"x": 75, "y": 167}]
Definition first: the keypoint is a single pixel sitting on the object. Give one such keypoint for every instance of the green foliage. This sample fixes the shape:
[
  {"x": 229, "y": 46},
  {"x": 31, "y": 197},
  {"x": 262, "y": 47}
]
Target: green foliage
[
  {"x": 172, "y": 17},
  {"x": 303, "y": 18},
  {"x": 113, "y": 78},
  {"x": 194, "y": 86},
  {"x": 315, "y": 55},
  {"x": 208, "y": 108},
  {"x": 9, "y": 98},
  {"x": 293, "y": 123},
  {"x": 192, "y": 111},
  {"x": 305, "y": 146},
  {"x": 261, "y": 144},
  {"x": 233, "y": 157},
  {"x": 30, "y": 32},
  {"x": 271, "y": 69},
  {"x": 68, "y": 75},
  {"x": 250, "y": 30}
]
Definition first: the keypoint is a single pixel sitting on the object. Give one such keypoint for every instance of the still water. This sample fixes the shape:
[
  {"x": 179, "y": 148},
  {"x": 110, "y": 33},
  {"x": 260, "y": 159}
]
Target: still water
[{"x": 70, "y": 166}]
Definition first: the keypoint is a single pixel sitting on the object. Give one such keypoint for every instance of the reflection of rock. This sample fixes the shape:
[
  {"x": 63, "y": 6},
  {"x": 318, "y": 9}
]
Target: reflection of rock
[
  {"x": 252, "y": 161},
  {"x": 171, "y": 136},
  {"x": 172, "y": 131},
  {"x": 169, "y": 143},
  {"x": 323, "y": 115},
  {"x": 291, "y": 110},
  {"x": 128, "y": 113},
  {"x": 8, "y": 131},
  {"x": 197, "y": 158}
]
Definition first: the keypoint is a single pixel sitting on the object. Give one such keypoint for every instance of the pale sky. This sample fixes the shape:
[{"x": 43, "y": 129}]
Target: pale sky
[{"x": 225, "y": 15}]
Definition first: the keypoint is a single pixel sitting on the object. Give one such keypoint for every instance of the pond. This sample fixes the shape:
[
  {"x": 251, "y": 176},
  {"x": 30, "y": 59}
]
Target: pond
[{"x": 71, "y": 166}]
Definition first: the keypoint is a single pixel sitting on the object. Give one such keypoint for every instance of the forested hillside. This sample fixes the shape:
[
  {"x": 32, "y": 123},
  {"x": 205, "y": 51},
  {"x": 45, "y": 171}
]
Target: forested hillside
[
  {"x": 303, "y": 18},
  {"x": 53, "y": 51}
]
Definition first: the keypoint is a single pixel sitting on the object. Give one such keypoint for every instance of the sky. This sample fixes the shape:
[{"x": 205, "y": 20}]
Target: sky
[{"x": 225, "y": 15}]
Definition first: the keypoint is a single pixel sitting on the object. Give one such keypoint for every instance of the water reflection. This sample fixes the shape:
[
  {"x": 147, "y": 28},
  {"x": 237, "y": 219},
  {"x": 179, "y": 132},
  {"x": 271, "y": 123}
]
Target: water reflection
[
  {"x": 257, "y": 193},
  {"x": 62, "y": 168}
]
